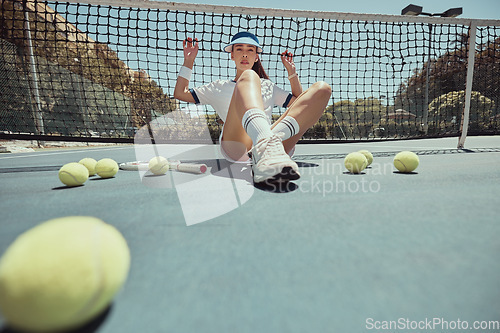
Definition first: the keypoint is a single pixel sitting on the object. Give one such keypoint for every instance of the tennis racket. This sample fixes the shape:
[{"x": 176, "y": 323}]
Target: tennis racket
[{"x": 173, "y": 165}]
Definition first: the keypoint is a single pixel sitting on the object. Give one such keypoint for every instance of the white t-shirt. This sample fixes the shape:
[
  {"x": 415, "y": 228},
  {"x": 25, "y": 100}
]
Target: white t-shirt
[{"x": 218, "y": 94}]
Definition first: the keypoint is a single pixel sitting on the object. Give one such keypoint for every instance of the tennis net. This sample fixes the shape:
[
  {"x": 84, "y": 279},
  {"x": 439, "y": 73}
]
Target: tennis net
[{"x": 90, "y": 71}]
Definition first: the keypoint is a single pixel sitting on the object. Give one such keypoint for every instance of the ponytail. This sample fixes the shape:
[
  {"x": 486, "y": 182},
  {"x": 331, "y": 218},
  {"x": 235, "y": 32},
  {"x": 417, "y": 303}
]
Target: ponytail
[{"x": 259, "y": 69}]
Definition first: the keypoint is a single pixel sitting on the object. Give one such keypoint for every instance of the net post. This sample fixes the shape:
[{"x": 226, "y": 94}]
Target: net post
[
  {"x": 425, "y": 118},
  {"x": 471, "y": 51},
  {"x": 39, "y": 127}
]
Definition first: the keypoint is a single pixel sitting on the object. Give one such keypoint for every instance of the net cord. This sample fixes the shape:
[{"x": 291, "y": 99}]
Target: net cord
[{"x": 222, "y": 9}]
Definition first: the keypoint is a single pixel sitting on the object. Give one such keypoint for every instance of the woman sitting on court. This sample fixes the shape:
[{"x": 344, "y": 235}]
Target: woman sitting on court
[{"x": 245, "y": 105}]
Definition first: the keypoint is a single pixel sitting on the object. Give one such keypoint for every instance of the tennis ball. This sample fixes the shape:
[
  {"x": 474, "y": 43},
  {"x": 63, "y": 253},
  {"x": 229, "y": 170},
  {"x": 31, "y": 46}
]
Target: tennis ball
[
  {"x": 158, "y": 165},
  {"x": 61, "y": 274},
  {"x": 73, "y": 174},
  {"x": 355, "y": 162},
  {"x": 89, "y": 163},
  {"x": 106, "y": 168},
  {"x": 368, "y": 155},
  {"x": 406, "y": 161}
]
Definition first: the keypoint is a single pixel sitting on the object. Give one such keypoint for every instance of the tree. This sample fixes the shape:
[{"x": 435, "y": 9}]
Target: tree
[
  {"x": 354, "y": 119},
  {"x": 446, "y": 111},
  {"x": 344, "y": 110},
  {"x": 448, "y": 74},
  {"x": 370, "y": 110}
]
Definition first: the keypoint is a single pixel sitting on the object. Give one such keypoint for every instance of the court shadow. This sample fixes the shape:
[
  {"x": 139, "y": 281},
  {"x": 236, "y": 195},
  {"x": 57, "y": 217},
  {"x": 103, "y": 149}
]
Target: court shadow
[
  {"x": 100, "y": 178},
  {"x": 405, "y": 173},
  {"x": 353, "y": 174},
  {"x": 90, "y": 327},
  {"x": 238, "y": 171},
  {"x": 226, "y": 169},
  {"x": 64, "y": 188},
  {"x": 306, "y": 164},
  {"x": 243, "y": 171},
  {"x": 284, "y": 187}
]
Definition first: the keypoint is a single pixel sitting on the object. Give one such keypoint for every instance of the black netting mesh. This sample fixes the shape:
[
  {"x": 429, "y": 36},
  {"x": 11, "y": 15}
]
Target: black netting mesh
[{"x": 103, "y": 72}]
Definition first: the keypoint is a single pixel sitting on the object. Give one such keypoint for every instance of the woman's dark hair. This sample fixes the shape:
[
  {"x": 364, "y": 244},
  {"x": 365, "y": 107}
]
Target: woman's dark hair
[{"x": 259, "y": 69}]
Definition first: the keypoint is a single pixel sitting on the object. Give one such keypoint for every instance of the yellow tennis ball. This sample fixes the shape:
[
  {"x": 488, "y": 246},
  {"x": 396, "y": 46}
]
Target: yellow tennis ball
[
  {"x": 368, "y": 155},
  {"x": 355, "y": 162},
  {"x": 89, "y": 163},
  {"x": 158, "y": 165},
  {"x": 61, "y": 274},
  {"x": 406, "y": 161},
  {"x": 106, "y": 168},
  {"x": 73, "y": 174}
]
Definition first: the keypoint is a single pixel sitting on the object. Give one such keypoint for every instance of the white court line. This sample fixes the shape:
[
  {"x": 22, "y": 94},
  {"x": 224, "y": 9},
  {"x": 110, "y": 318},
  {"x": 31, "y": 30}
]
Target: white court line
[
  {"x": 373, "y": 147},
  {"x": 22, "y": 155},
  {"x": 414, "y": 147}
]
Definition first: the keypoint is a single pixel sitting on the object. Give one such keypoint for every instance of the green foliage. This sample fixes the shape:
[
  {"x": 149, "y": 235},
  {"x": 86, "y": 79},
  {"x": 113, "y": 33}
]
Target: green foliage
[
  {"x": 317, "y": 131},
  {"x": 389, "y": 128},
  {"x": 447, "y": 74},
  {"x": 361, "y": 110},
  {"x": 214, "y": 126},
  {"x": 326, "y": 117},
  {"x": 369, "y": 110},
  {"x": 446, "y": 111}
]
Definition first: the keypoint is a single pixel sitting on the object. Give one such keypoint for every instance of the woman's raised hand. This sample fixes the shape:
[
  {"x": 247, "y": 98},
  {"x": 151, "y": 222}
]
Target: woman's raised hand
[
  {"x": 190, "y": 47},
  {"x": 287, "y": 59}
]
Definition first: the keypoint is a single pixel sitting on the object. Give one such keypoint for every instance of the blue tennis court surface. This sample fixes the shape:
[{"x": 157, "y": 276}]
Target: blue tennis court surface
[{"x": 331, "y": 252}]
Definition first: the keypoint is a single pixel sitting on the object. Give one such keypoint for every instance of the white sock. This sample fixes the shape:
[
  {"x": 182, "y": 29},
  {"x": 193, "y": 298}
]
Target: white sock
[
  {"x": 289, "y": 126},
  {"x": 256, "y": 123}
]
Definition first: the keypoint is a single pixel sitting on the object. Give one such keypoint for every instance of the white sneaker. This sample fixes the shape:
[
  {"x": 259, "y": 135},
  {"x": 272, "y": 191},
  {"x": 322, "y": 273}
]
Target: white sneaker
[{"x": 270, "y": 162}]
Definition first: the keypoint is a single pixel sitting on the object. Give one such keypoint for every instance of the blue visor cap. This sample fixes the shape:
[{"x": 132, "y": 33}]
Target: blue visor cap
[{"x": 244, "y": 37}]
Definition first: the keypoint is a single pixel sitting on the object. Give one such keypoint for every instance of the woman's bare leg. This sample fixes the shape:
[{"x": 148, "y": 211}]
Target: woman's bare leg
[
  {"x": 307, "y": 109},
  {"x": 247, "y": 95}
]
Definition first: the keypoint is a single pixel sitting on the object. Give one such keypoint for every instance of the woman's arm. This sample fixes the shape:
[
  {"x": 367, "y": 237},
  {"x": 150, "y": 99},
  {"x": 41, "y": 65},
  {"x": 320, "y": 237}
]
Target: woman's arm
[
  {"x": 181, "y": 90},
  {"x": 287, "y": 59}
]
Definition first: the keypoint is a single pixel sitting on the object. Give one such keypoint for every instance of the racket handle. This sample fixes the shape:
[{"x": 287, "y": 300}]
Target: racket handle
[{"x": 191, "y": 168}]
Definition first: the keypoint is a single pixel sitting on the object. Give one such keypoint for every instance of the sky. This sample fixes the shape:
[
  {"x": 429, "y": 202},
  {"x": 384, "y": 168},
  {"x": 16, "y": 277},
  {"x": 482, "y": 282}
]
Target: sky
[{"x": 478, "y": 9}]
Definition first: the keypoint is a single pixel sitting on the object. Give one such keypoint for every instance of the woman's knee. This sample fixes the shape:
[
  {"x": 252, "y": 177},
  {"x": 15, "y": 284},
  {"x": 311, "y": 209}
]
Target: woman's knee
[
  {"x": 322, "y": 89},
  {"x": 249, "y": 75}
]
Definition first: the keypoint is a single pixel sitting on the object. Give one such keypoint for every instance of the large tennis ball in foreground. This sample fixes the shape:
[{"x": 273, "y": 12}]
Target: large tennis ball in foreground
[
  {"x": 406, "y": 161},
  {"x": 61, "y": 274},
  {"x": 73, "y": 174},
  {"x": 106, "y": 168},
  {"x": 355, "y": 162}
]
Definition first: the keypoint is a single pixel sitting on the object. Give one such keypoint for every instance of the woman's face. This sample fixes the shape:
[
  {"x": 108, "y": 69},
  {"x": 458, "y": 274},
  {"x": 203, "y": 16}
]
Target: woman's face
[{"x": 244, "y": 56}]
